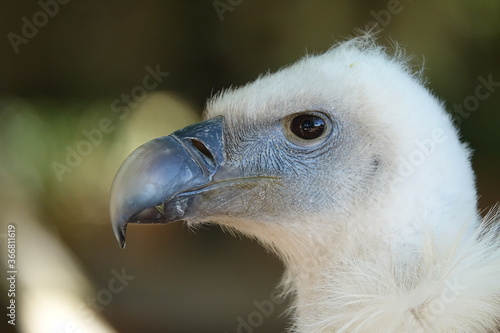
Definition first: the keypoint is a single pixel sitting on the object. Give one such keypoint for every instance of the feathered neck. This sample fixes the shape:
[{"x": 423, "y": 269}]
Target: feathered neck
[{"x": 363, "y": 283}]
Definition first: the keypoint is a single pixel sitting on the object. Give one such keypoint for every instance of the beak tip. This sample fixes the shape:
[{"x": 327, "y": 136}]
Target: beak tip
[
  {"x": 121, "y": 242},
  {"x": 120, "y": 236}
]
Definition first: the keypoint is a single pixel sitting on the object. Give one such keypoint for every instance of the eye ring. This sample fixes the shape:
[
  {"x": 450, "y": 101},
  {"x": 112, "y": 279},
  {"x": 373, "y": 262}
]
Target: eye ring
[{"x": 307, "y": 128}]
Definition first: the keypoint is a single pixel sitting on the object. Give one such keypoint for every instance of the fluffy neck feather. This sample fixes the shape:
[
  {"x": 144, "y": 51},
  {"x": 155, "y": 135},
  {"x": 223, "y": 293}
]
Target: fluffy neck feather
[{"x": 363, "y": 281}]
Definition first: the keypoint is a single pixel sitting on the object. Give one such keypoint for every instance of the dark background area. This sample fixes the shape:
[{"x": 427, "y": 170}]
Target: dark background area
[{"x": 63, "y": 80}]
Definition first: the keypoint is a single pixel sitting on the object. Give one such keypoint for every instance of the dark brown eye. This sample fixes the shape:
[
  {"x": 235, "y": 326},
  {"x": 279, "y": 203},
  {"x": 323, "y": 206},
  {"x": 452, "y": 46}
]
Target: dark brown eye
[{"x": 307, "y": 126}]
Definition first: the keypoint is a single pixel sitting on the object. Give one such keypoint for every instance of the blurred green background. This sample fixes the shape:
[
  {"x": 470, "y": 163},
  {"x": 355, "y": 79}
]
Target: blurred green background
[{"x": 68, "y": 81}]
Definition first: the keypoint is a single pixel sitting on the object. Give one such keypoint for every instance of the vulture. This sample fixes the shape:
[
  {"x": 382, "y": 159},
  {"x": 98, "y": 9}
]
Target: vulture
[{"x": 348, "y": 168}]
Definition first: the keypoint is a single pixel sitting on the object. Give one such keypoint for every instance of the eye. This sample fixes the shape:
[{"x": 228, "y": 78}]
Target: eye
[{"x": 307, "y": 126}]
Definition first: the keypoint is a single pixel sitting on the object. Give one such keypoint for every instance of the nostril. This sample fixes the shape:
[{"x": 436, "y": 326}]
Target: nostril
[{"x": 203, "y": 149}]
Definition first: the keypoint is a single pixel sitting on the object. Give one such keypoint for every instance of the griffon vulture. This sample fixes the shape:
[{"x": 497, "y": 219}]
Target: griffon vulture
[{"x": 352, "y": 172}]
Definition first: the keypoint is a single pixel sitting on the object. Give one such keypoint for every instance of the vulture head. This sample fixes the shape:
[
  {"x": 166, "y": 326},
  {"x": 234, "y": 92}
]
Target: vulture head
[{"x": 351, "y": 171}]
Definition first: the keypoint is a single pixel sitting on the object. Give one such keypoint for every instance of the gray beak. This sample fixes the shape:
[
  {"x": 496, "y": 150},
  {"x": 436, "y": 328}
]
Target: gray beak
[{"x": 158, "y": 171}]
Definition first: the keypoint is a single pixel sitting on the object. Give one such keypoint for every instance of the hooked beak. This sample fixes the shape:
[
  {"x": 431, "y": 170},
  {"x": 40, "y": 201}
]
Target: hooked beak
[{"x": 161, "y": 170}]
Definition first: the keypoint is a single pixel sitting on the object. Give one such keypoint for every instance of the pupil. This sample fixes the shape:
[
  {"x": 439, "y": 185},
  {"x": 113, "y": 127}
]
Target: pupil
[{"x": 308, "y": 127}]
